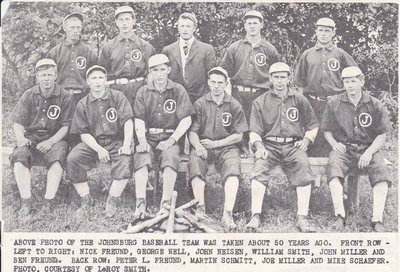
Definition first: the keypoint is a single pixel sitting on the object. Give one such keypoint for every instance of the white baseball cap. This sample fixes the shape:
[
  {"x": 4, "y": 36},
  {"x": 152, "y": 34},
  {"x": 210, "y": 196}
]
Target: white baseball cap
[
  {"x": 351, "y": 71},
  {"x": 253, "y": 13},
  {"x": 123, "y": 9},
  {"x": 219, "y": 71},
  {"x": 44, "y": 62},
  {"x": 95, "y": 68},
  {"x": 326, "y": 22},
  {"x": 157, "y": 60},
  {"x": 279, "y": 67}
]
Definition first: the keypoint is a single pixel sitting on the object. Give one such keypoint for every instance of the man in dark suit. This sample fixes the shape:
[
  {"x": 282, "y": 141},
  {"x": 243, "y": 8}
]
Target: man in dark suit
[{"x": 190, "y": 58}]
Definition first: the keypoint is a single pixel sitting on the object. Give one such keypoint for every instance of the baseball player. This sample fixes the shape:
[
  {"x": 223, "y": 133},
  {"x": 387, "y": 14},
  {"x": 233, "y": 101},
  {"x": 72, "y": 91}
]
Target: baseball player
[
  {"x": 126, "y": 56},
  {"x": 216, "y": 131},
  {"x": 247, "y": 62},
  {"x": 162, "y": 115},
  {"x": 73, "y": 58},
  {"x": 103, "y": 119},
  {"x": 190, "y": 58},
  {"x": 282, "y": 125},
  {"x": 318, "y": 75},
  {"x": 355, "y": 125},
  {"x": 41, "y": 118}
]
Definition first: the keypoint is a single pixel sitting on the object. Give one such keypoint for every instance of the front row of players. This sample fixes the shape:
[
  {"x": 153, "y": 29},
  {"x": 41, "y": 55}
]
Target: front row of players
[{"x": 282, "y": 126}]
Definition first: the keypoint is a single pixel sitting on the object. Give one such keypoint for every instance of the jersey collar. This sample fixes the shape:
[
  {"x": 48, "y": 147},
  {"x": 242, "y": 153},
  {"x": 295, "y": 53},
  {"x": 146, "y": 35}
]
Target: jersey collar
[
  {"x": 56, "y": 91},
  {"x": 104, "y": 97},
  {"x": 329, "y": 47},
  {"x": 365, "y": 98},
  {"x": 227, "y": 97},
  {"x": 151, "y": 86},
  {"x": 263, "y": 42},
  {"x": 131, "y": 37}
]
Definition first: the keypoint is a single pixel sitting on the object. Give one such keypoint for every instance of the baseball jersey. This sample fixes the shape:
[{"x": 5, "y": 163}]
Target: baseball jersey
[
  {"x": 163, "y": 109},
  {"x": 72, "y": 61},
  {"x": 248, "y": 66},
  {"x": 216, "y": 122},
  {"x": 273, "y": 117},
  {"x": 355, "y": 124},
  {"x": 126, "y": 57},
  {"x": 102, "y": 117},
  {"x": 319, "y": 68},
  {"x": 43, "y": 116}
]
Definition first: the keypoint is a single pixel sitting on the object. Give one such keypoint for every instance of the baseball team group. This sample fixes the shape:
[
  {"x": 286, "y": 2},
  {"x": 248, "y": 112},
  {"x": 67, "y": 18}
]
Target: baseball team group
[{"x": 134, "y": 109}]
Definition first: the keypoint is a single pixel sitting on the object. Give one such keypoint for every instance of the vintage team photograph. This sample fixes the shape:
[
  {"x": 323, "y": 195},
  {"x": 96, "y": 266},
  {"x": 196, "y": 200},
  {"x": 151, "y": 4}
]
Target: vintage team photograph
[{"x": 200, "y": 117}]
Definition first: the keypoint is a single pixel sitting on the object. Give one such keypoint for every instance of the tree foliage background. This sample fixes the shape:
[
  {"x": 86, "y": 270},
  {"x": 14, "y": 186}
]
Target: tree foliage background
[{"x": 368, "y": 31}]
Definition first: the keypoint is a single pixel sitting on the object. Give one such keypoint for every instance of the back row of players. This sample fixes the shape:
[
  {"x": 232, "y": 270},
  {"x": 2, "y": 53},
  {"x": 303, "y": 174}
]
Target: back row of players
[{"x": 131, "y": 82}]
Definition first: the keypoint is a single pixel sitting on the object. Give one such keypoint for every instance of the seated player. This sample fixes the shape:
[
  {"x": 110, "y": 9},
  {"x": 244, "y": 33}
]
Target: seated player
[
  {"x": 162, "y": 115},
  {"x": 41, "y": 119},
  {"x": 216, "y": 131},
  {"x": 355, "y": 125},
  {"x": 103, "y": 119},
  {"x": 282, "y": 125}
]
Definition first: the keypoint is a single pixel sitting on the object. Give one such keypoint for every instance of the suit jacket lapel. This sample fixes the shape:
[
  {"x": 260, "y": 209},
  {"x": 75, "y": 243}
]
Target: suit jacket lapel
[
  {"x": 193, "y": 51},
  {"x": 176, "y": 52}
]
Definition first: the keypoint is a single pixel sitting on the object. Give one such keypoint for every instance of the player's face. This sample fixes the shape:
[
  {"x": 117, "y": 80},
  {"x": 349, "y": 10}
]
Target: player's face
[
  {"x": 217, "y": 84},
  {"x": 253, "y": 26},
  {"x": 73, "y": 28},
  {"x": 280, "y": 81},
  {"x": 125, "y": 22},
  {"x": 160, "y": 73},
  {"x": 97, "y": 81},
  {"x": 186, "y": 28},
  {"x": 46, "y": 79},
  {"x": 324, "y": 34},
  {"x": 353, "y": 85}
]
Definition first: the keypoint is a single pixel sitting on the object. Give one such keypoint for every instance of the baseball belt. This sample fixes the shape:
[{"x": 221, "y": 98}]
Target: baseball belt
[
  {"x": 244, "y": 89},
  {"x": 319, "y": 98},
  {"x": 159, "y": 130},
  {"x": 281, "y": 139},
  {"x": 124, "y": 81}
]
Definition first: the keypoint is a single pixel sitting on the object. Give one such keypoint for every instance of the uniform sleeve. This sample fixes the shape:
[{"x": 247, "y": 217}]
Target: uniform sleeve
[
  {"x": 300, "y": 77},
  {"x": 124, "y": 109},
  {"x": 139, "y": 107},
  {"x": 256, "y": 122},
  {"x": 327, "y": 120},
  {"x": 196, "y": 119},
  {"x": 239, "y": 121},
  {"x": 274, "y": 56},
  {"x": 148, "y": 52},
  {"x": 310, "y": 121},
  {"x": 211, "y": 59},
  {"x": 383, "y": 123},
  {"x": 67, "y": 111},
  {"x": 80, "y": 124},
  {"x": 92, "y": 58},
  {"x": 21, "y": 111},
  {"x": 104, "y": 58},
  {"x": 51, "y": 54},
  {"x": 228, "y": 61},
  {"x": 347, "y": 60},
  {"x": 184, "y": 107}
]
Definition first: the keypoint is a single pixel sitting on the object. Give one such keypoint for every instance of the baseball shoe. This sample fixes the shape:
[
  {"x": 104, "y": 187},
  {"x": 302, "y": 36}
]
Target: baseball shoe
[
  {"x": 24, "y": 212},
  {"x": 227, "y": 218},
  {"x": 339, "y": 223},
  {"x": 378, "y": 226},
  {"x": 48, "y": 206},
  {"x": 112, "y": 204},
  {"x": 86, "y": 203},
  {"x": 254, "y": 223},
  {"x": 304, "y": 225},
  {"x": 140, "y": 209},
  {"x": 164, "y": 207}
]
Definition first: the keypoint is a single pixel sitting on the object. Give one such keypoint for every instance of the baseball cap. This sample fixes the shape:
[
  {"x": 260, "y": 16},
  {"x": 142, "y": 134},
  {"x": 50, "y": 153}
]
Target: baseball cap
[
  {"x": 253, "y": 13},
  {"x": 95, "y": 68},
  {"x": 219, "y": 71},
  {"x": 123, "y": 9},
  {"x": 44, "y": 62},
  {"x": 157, "y": 60},
  {"x": 351, "y": 71},
  {"x": 190, "y": 16},
  {"x": 74, "y": 14},
  {"x": 326, "y": 22},
  {"x": 279, "y": 67}
]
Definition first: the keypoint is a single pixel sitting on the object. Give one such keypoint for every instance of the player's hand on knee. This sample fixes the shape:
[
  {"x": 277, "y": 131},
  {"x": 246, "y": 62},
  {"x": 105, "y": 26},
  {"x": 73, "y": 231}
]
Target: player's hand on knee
[
  {"x": 365, "y": 159},
  {"x": 261, "y": 153},
  {"x": 143, "y": 147},
  {"x": 164, "y": 145},
  {"x": 339, "y": 147},
  {"x": 24, "y": 142},
  {"x": 201, "y": 152},
  {"x": 301, "y": 145},
  {"x": 104, "y": 156},
  {"x": 209, "y": 144},
  {"x": 44, "y": 146},
  {"x": 125, "y": 150}
]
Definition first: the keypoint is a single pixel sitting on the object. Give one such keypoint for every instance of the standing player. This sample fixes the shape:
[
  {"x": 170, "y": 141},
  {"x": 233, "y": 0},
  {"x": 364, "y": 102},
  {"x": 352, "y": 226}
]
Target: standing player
[
  {"x": 73, "y": 58},
  {"x": 318, "y": 75},
  {"x": 247, "y": 62},
  {"x": 190, "y": 58},
  {"x": 103, "y": 119},
  {"x": 162, "y": 115},
  {"x": 126, "y": 56},
  {"x": 216, "y": 131},
  {"x": 282, "y": 125},
  {"x": 42, "y": 118},
  {"x": 355, "y": 125}
]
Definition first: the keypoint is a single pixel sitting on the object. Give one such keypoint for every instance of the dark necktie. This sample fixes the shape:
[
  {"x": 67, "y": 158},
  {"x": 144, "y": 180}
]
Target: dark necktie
[{"x": 186, "y": 48}]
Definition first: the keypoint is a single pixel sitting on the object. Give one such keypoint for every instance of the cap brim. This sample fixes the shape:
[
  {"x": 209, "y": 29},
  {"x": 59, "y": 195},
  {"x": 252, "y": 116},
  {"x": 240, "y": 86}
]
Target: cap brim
[{"x": 75, "y": 14}]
